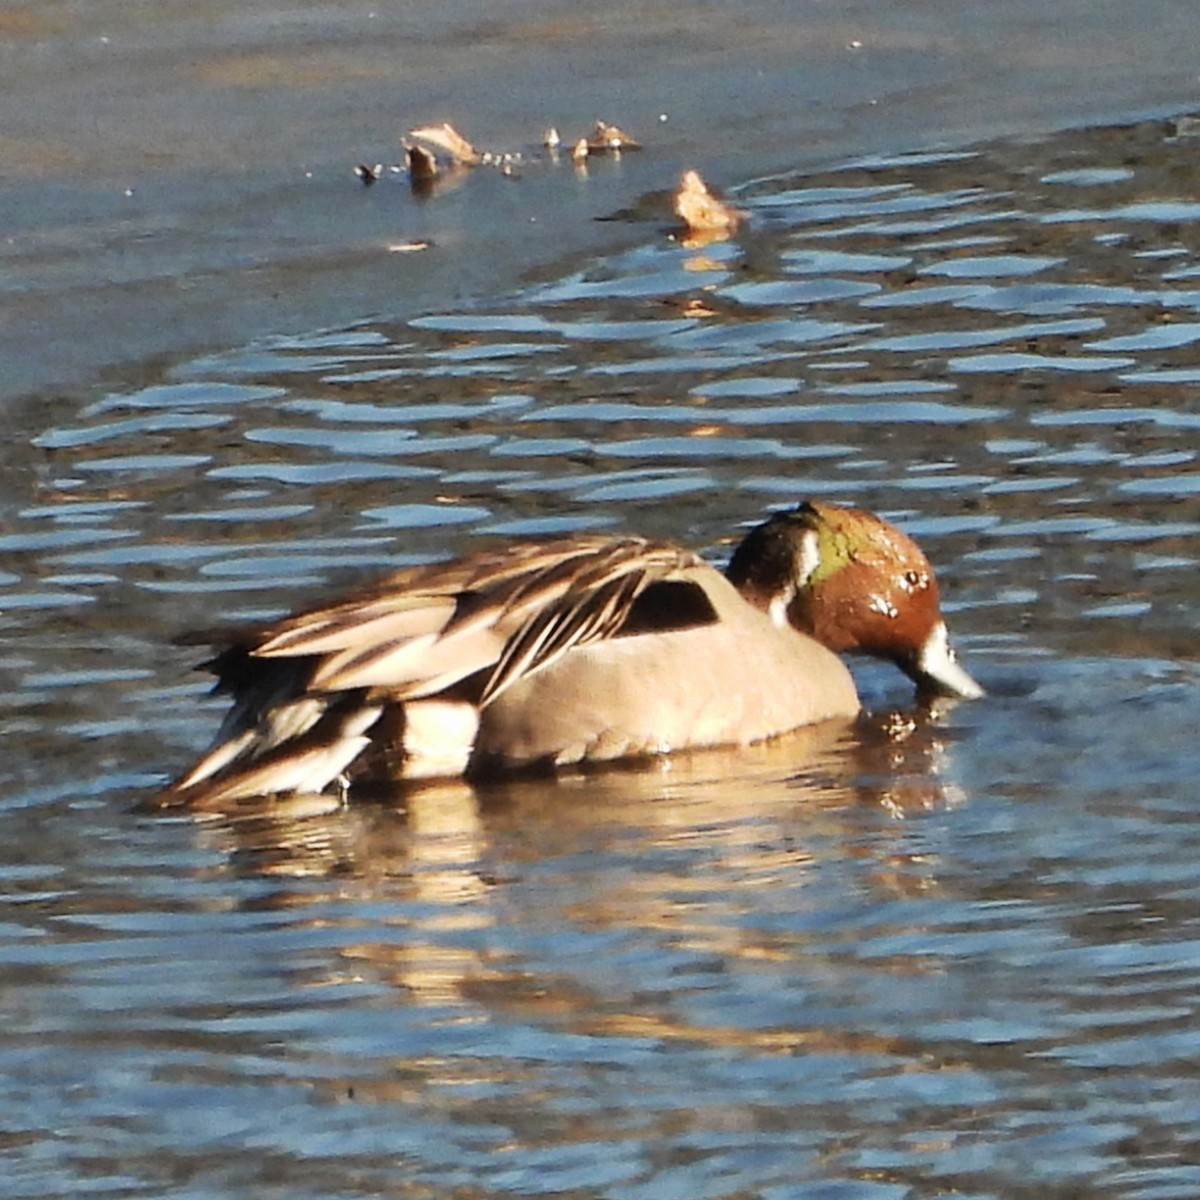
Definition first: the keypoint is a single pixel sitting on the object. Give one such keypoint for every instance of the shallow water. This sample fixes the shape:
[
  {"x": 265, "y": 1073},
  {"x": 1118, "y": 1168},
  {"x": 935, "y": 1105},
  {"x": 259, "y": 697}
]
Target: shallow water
[
  {"x": 177, "y": 176},
  {"x": 946, "y": 953}
]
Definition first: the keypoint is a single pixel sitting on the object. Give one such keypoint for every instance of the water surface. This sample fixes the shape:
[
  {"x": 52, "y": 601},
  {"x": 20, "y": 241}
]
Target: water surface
[
  {"x": 177, "y": 176},
  {"x": 947, "y": 953}
]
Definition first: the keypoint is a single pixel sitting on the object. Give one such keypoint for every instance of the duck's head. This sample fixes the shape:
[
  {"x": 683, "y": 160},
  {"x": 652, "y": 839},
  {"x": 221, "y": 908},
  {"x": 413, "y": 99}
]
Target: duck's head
[{"x": 855, "y": 584}]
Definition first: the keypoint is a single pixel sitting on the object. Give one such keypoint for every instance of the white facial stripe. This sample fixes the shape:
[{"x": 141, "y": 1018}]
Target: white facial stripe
[
  {"x": 777, "y": 610},
  {"x": 809, "y": 558},
  {"x": 807, "y": 562}
]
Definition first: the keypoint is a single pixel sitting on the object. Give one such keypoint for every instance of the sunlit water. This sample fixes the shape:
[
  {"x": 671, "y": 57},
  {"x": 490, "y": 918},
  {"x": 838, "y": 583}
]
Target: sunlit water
[{"x": 954, "y": 953}]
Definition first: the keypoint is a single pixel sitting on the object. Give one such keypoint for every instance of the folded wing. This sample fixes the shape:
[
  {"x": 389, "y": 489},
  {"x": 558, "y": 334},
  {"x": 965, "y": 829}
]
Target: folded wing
[{"x": 309, "y": 692}]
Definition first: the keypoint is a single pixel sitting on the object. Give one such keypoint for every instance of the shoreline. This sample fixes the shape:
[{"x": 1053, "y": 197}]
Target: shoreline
[{"x": 125, "y": 255}]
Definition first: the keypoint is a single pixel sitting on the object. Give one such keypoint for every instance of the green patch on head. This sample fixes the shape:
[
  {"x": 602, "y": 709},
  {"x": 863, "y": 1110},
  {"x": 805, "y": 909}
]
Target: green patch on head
[{"x": 835, "y": 539}]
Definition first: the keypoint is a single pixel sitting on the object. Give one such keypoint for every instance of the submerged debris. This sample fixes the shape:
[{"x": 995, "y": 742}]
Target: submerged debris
[
  {"x": 421, "y": 163},
  {"x": 446, "y": 137},
  {"x": 439, "y": 157},
  {"x": 705, "y": 217},
  {"x": 610, "y": 139}
]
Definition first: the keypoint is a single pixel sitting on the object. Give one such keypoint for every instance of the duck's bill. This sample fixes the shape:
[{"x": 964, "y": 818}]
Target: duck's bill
[{"x": 936, "y": 670}]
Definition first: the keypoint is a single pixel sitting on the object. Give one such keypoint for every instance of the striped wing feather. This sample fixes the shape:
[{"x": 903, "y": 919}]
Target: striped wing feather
[
  {"x": 422, "y": 630},
  {"x": 596, "y": 612}
]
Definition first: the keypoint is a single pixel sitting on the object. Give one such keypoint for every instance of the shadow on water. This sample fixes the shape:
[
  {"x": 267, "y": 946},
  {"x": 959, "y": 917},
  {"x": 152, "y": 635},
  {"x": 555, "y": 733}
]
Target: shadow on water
[{"x": 931, "y": 952}]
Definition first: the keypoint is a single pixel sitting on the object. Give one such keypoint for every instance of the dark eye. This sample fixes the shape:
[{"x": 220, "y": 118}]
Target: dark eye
[{"x": 914, "y": 579}]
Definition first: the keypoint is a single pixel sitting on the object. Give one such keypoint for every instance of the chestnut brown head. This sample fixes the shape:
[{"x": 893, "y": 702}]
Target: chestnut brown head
[{"x": 853, "y": 582}]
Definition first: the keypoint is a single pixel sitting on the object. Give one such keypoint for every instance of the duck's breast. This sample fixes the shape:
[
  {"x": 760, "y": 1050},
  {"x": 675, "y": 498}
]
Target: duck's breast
[{"x": 740, "y": 680}]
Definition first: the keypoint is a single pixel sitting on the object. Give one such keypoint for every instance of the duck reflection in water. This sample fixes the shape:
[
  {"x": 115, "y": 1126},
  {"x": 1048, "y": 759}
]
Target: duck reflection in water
[{"x": 442, "y": 864}]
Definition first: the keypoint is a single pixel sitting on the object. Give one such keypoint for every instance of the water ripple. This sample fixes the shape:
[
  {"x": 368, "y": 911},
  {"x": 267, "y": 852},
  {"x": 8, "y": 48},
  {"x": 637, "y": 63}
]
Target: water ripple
[{"x": 952, "y": 950}]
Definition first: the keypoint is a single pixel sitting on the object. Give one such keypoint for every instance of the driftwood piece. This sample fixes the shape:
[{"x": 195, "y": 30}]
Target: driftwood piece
[
  {"x": 446, "y": 137},
  {"x": 609, "y": 139},
  {"x": 705, "y": 217}
]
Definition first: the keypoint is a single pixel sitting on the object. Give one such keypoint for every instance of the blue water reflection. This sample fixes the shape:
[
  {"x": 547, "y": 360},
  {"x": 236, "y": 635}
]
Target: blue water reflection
[{"x": 945, "y": 952}]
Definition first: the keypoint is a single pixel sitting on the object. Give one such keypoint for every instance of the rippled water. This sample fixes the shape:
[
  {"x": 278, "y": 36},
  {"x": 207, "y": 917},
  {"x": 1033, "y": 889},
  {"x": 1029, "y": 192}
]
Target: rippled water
[{"x": 954, "y": 953}]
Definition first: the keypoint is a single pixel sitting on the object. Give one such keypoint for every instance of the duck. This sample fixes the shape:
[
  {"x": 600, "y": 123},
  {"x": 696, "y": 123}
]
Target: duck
[{"x": 588, "y": 649}]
